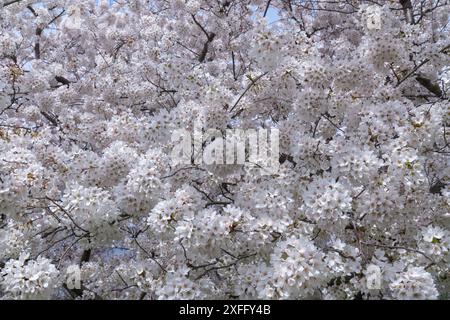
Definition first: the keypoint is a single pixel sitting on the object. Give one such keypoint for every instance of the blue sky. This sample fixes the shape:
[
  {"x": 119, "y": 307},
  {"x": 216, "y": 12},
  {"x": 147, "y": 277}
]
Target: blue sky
[{"x": 272, "y": 15}]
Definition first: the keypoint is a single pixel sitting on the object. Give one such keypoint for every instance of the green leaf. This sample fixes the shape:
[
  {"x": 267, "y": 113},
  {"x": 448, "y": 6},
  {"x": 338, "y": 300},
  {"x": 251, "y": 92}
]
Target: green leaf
[{"x": 435, "y": 240}]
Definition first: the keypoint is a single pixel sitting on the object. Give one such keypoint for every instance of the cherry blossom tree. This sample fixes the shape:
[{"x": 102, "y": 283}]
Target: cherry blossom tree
[{"x": 90, "y": 96}]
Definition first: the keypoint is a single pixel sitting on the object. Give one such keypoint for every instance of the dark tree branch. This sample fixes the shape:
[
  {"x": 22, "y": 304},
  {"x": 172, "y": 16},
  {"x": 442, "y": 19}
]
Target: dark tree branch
[{"x": 210, "y": 37}]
